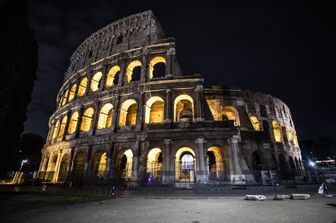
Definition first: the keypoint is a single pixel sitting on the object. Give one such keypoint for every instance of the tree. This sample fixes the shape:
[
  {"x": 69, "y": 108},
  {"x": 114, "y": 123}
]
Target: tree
[{"x": 18, "y": 66}]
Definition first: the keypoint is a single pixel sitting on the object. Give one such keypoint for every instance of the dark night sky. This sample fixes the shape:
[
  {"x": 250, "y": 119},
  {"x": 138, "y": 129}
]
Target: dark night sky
[{"x": 284, "y": 49}]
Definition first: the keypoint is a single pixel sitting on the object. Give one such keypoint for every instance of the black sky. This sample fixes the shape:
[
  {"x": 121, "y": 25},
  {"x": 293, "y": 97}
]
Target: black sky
[{"x": 284, "y": 49}]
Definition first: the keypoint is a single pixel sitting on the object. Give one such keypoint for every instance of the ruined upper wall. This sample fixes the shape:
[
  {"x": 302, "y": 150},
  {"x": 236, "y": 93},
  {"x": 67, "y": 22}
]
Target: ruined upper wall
[{"x": 127, "y": 33}]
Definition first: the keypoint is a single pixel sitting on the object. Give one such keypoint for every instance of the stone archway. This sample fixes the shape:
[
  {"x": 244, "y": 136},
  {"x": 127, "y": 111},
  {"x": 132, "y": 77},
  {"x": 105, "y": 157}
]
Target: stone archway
[
  {"x": 78, "y": 167},
  {"x": 123, "y": 165},
  {"x": 63, "y": 170},
  {"x": 154, "y": 166},
  {"x": 257, "y": 165},
  {"x": 215, "y": 163},
  {"x": 185, "y": 167},
  {"x": 99, "y": 163}
]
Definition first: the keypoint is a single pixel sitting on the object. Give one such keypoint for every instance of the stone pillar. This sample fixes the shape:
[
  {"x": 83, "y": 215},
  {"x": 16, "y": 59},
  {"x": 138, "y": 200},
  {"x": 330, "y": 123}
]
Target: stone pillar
[
  {"x": 108, "y": 163},
  {"x": 66, "y": 125},
  {"x": 199, "y": 108},
  {"x": 201, "y": 157},
  {"x": 115, "y": 115},
  {"x": 122, "y": 73},
  {"x": 169, "y": 106},
  {"x": 168, "y": 165},
  {"x": 70, "y": 165},
  {"x": 236, "y": 175},
  {"x": 135, "y": 164},
  {"x": 140, "y": 109},
  {"x": 57, "y": 166},
  {"x": 144, "y": 67},
  {"x": 103, "y": 78},
  {"x": 87, "y": 165},
  {"x": 89, "y": 77},
  {"x": 170, "y": 62},
  {"x": 95, "y": 117},
  {"x": 80, "y": 113}
]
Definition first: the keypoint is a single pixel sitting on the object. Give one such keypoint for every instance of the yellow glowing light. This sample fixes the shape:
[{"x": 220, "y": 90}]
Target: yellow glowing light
[
  {"x": 152, "y": 63},
  {"x": 130, "y": 68},
  {"x": 95, "y": 81},
  {"x": 111, "y": 75},
  {"x": 82, "y": 87},
  {"x": 183, "y": 104},
  {"x": 128, "y": 112},
  {"x": 87, "y": 120},
  {"x": 105, "y": 116},
  {"x": 154, "y": 110},
  {"x": 255, "y": 123},
  {"x": 73, "y": 123}
]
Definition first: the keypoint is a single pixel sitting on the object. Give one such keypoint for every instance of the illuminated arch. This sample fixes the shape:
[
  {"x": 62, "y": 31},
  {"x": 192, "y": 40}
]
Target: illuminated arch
[
  {"x": 73, "y": 123},
  {"x": 130, "y": 68},
  {"x": 65, "y": 97},
  {"x": 154, "y": 164},
  {"x": 55, "y": 130},
  {"x": 72, "y": 92},
  {"x": 232, "y": 114},
  {"x": 153, "y": 62},
  {"x": 105, "y": 116},
  {"x": 154, "y": 110},
  {"x": 216, "y": 163},
  {"x": 185, "y": 165},
  {"x": 96, "y": 81},
  {"x": 277, "y": 131},
  {"x": 63, "y": 170},
  {"x": 127, "y": 114},
  {"x": 82, "y": 87},
  {"x": 110, "y": 80},
  {"x": 255, "y": 123},
  {"x": 87, "y": 120},
  {"x": 63, "y": 125},
  {"x": 99, "y": 164},
  {"x": 183, "y": 103},
  {"x": 124, "y": 164}
]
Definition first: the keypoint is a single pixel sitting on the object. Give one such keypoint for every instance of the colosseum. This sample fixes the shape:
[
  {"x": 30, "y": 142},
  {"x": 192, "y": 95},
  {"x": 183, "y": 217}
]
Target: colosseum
[{"x": 126, "y": 114}]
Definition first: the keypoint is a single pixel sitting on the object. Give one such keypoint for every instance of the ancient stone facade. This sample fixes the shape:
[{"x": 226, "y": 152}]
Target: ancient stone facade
[{"x": 126, "y": 114}]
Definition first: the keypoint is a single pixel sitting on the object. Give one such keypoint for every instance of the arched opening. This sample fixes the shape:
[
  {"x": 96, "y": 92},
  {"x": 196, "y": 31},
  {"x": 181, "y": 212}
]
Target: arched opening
[
  {"x": 72, "y": 92},
  {"x": 133, "y": 71},
  {"x": 113, "y": 76},
  {"x": 230, "y": 113},
  {"x": 154, "y": 165},
  {"x": 79, "y": 163},
  {"x": 216, "y": 163},
  {"x": 128, "y": 112},
  {"x": 124, "y": 165},
  {"x": 183, "y": 108},
  {"x": 63, "y": 170},
  {"x": 185, "y": 165},
  {"x": 257, "y": 165},
  {"x": 82, "y": 87},
  {"x": 65, "y": 97},
  {"x": 255, "y": 123},
  {"x": 284, "y": 168},
  {"x": 55, "y": 130},
  {"x": 95, "y": 81},
  {"x": 105, "y": 116},
  {"x": 277, "y": 131},
  {"x": 154, "y": 111},
  {"x": 157, "y": 67},
  {"x": 99, "y": 164},
  {"x": 73, "y": 123},
  {"x": 87, "y": 120},
  {"x": 63, "y": 125}
]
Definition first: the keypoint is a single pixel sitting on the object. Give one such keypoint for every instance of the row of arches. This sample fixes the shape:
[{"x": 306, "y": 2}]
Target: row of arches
[
  {"x": 156, "y": 69},
  {"x": 122, "y": 165},
  {"x": 154, "y": 112}
]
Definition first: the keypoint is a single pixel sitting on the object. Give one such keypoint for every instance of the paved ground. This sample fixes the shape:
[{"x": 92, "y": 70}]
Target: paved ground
[{"x": 51, "y": 208}]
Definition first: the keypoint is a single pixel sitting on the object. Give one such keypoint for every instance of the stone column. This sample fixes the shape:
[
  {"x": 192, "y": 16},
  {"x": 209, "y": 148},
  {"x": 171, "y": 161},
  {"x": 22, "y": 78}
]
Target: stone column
[
  {"x": 95, "y": 117},
  {"x": 170, "y": 62},
  {"x": 87, "y": 165},
  {"x": 135, "y": 164},
  {"x": 115, "y": 115},
  {"x": 89, "y": 78},
  {"x": 144, "y": 67},
  {"x": 169, "y": 106},
  {"x": 122, "y": 73},
  {"x": 140, "y": 108},
  {"x": 66, "y": 125},
  {"x": 80, "y": 113},
  {"x": 201, "y": 157},
  {"x": 57, "y": 166},
  {"x": 237, "y": 175},
  {"x": 70, "y": 165},
  {"x": 103, "y": 78},
  {"x": 199, "y": 109},
  {"x": 168, "y": 173},
  {"x": 108, "y": 163}
]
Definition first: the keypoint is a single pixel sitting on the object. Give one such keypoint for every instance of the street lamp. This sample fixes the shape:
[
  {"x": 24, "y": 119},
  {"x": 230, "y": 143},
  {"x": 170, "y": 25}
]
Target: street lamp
[{"x": 22, "y": 163}]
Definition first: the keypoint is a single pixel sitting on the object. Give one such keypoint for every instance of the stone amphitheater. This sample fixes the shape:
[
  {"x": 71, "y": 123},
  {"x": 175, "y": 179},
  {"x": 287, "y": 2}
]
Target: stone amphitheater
[{"x": 126, "y": 114}]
